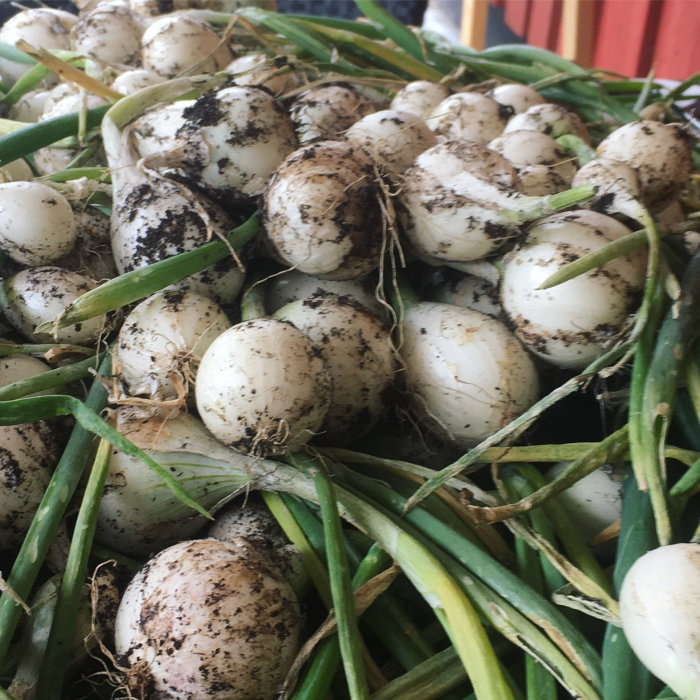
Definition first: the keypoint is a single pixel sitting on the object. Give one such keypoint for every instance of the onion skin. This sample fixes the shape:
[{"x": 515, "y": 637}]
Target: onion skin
[
  {"x": 468, "y": 373},
  {"x": 262, "y": 387},
  {"x": 209, "y": 620},
  {"x": 660, "y": 153},
  {"x": 38, "y": 295},
  {"x": 420, "y": 97},
  {"x": 162, "y": 340},
  {"x": 37, "y": 225},
  {"x": 468, "y": 116},
  {"x": 394, "y": 139},
  {"x": 360, "y": 358},
  {"x": 321, "y": 211},
  {"x": 28, "y": 453},
  {"x": 245, "y": 134},
  {"x": 324, "y": 113},
  {"x": 571, "y": 324},
  {"x": 660, "y": 612}
]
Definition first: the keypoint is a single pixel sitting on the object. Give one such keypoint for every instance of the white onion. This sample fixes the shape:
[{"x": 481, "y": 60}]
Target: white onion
[
  {"x": 262, "y": 387},
  {"x": 516, "y": 96},
  {"x": 456, "y": 209},
  {"x": 360, "y": 358},
  {"x": 469, "y": 291},
  {"x": 468, "y": 373},
  {"x": 154, "y": 131},
  {"x": 571, "y": 324},
  {"x": 321, "y": 211},
  {"x": 245, "y": 134},
  {"x": 292, "y": 285},
  {"x": 14, "y": 368},
  {"x": 173, "y": 44},
  {"x": 30, "y": 106},
  {"x": 420, "y": 97},
  {"x": 53, "y": 158},
  {"x": 37, "y": 225},
  {"x": 324, "y": 113},
  {"x": 394, "y": 139},
  {"x": 469, "y": 116},
  {"x": 261, "y": 69},
  {"x": 552, "y": 119},
  {"x": 594, "y": 502},
  {"x": 660, "y": 153},
  {"x": 38, "y": 295},
  {"x": 155, "y": 218},
  {"x": 28, "y": 454},
  {"x": 107, "y": 33},
  {"x": 162, "y": 341},
  {"x": 210, "y": 620},
  {"x": 130, "y": 81},
  {"x": 660, "y": 611},
  {"x": 543, "y": 166},
  {"x": 42, "y": 27}
]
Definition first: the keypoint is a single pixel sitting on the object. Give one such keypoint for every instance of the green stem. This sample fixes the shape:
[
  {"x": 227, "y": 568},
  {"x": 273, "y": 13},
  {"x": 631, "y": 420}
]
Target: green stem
[
  {"x": 341, "y": 590},
  {"x": 49, "y": 516},
  {"x": 53, "y": 669},
  {"x": 51, "y": 379}
]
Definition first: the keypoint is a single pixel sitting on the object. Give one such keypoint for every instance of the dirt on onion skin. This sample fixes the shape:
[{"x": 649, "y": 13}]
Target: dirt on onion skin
[{"x": 209, "y": 619}]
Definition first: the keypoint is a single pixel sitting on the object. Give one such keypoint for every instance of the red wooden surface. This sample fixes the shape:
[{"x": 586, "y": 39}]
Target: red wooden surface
[
  {"x": 630, "y": 36},
  {"x": 517, "y": 15},
  {"x": 543, "y": 28}
]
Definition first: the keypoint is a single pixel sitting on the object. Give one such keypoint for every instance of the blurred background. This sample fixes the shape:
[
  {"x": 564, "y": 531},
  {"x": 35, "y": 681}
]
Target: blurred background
[{"x": 630, "y": 37}]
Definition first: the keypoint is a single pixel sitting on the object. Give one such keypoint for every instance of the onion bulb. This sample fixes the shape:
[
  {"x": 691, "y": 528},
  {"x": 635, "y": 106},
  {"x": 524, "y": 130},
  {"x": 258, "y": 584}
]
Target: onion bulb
[
  {"x": 469, "y": 116},
  {"x": 455, "y": 207},
  {"x": 360, "y": 358},
  {"x": 467, "y": 372},
  {"x": 324, "y": 113},
  {"x": 208, "y": 619},
  {"x": 572, "y": 323},
  {"x": 42, "y": 27},
  {"x": 419, "y": 97},
  {"x": 37, "y": 225},
  {"x": 162, "y": 341},
  {"x": 243, "y": 134},
  {"x": 38, "y": 295},
  {"x": 321, "y": 211},
  {"x": 176, "y": 43},
  {"x": 394, "y": 139},
  {"x": 262, "y": 387},
  {"x": 660, "y": 612},
  {"x": 660, "y": 153},
  {"x": 516, "y": 96},
  {"x": 28, "y": 454}
]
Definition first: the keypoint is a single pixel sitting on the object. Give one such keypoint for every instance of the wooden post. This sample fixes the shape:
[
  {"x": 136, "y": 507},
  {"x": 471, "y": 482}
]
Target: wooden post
[
  {"x": 577, "y": 31},
  {"x": 473, "y": 26}
]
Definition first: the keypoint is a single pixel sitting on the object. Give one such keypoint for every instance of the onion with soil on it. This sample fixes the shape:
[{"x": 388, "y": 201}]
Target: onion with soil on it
[{"x": 208, "y": 619}]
